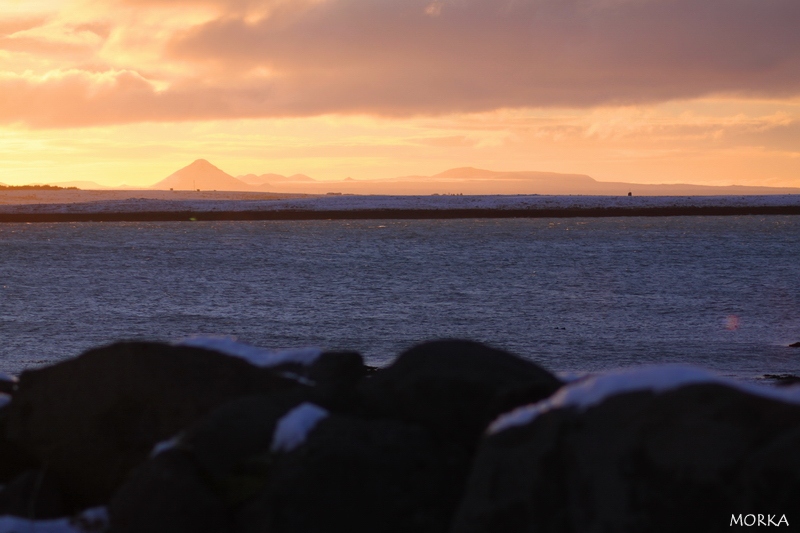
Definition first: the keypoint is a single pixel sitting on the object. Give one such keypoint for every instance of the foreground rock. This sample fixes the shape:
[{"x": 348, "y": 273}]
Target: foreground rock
[
  {"x": 14, "y": 460},
  {"x": 91, "y": 419},
  {"x": 353, "y": 475},
  {"x": 455, "y": 388},
  {"x": 8, "y": 384},
  {"x": 452, "y": 389},
  {"x": 219, "y": 437},
  {"x": 668, "y": 450},
  {"x": 32, "y": 493},
  {"x": 254, "y": 466},
  {"x": 168, "y": 494},
  {"x": 388, "y": 453},
  {"x": 212, "y": 466}
]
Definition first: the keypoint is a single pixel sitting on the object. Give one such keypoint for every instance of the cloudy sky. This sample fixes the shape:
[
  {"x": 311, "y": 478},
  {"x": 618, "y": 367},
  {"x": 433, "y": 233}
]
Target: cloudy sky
[{"x": 650, "y": 91}]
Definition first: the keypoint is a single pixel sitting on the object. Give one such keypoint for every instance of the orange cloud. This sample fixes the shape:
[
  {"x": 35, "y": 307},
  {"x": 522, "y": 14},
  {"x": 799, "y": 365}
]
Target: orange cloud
[
  {"x": 14, "y": 24},
  {"x": 394, "y": 58},
  {"x": 275, "y": 58}
]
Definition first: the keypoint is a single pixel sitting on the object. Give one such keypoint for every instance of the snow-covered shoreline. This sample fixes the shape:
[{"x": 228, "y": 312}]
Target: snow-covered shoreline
[{"x": 400, "y": 203}]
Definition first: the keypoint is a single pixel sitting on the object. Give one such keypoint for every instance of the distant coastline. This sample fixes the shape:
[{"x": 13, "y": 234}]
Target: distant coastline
[
  {"x": 35, "y": 188},
  {"x": 395, "y": 214},
  {"x": 160, "y": 206},
  {"x": 201, "y": 176}
]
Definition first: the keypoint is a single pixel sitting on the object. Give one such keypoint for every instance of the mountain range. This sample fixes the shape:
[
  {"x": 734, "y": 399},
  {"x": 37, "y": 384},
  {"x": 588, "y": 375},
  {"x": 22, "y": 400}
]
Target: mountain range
[
  {"x": 205, "y": 176},
  {"x": 263, "y": 179}
]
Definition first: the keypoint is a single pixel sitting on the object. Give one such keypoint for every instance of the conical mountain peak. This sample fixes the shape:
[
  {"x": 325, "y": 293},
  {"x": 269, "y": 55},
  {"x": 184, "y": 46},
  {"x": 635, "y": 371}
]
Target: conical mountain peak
[{"x": 201, "y": 174}]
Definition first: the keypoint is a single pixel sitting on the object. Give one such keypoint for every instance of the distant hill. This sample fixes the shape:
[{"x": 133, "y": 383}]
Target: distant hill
[
  {"x": 252, "y": 179},
  {"x": 266, "y": 179},
  {"x": 298, "y": 177},
  {"x": 473, "y": 174},
  {"x": 204, "y": 176},
  {"x": 465, "y": 180},
  {"x": 462, "y": 180},
  {"x": 468, "y": 180}
]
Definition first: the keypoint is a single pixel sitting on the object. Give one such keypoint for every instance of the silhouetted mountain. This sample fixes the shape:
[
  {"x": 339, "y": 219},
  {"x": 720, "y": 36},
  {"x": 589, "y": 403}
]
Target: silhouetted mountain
[
  {"x": 465, "y": 180},
  {"x": 251, "y": 179},
  {"x": 204, "y": 176}
]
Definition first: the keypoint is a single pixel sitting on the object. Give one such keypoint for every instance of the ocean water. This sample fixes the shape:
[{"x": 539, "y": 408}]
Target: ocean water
[{"x": 575, "y": 295}]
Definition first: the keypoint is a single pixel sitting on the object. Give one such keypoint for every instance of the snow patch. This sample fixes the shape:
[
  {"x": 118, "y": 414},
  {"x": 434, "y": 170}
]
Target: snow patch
[
  {"x": 298, "y": 378},
  {"x": 293, "y": 428},
  {"x": 5, "y": 399},
  {"x": 252, "y": 354},
  {"x": 94, "y": 520},
  {"x": 569, "y": 377},
  {"x": 586, "y": 393},
  {"x": 8, "y": 377},
  {"x": 165, "y": 445}
]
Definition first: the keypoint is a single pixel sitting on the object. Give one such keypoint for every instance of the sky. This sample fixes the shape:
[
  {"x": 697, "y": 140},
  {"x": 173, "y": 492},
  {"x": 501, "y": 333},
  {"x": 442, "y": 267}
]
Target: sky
[{"x": 645, "y": 91}]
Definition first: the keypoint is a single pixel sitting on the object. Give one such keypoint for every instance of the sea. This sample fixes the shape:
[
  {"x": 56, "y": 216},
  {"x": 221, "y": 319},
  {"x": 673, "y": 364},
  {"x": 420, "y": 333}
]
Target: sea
[{"x": 579, "y": 295}]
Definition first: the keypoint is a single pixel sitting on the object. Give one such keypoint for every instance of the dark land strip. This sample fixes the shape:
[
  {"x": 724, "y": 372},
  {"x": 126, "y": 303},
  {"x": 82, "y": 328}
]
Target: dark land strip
[{"x": 397, "y": 214}]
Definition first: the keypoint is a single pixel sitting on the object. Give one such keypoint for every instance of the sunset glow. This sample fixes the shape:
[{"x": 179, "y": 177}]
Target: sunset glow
[{"x": 646, "y": 91}]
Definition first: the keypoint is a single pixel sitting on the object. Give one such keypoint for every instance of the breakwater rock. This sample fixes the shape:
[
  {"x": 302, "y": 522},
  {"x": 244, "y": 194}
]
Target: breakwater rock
[{"x": 215, "y": 436}]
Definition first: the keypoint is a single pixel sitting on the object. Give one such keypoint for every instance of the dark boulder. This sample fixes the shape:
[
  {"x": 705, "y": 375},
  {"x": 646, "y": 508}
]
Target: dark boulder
[
  {"x": 264, "y": 463},
  {"x": 336, "y": 376},
  {"x": 8, "y": 383},
  {"x": 333, "y": 376},
  {"x": 231, "y": 441},
  {"x": 33, "y": 494},
  {"x": 680, "y": 460},
  {"x": 231, "y": 446},
  {"x": 783, "y": 379},
  {"x": 14, "y": 460},
  {"x": 167, "y": 494},
  {"x": 93, "y": 418},
  {"x": 773, "y": 471},
  {"x": 213, "y": 465},
  {"x": 352, "y": 475},
  {"x": 795, "y": 345},
  {"x": 454, "y": 388}
]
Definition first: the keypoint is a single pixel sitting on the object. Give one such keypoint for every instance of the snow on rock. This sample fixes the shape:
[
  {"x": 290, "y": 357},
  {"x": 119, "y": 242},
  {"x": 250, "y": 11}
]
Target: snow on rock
[
  {"x": 569, "y": 377},
  {"x": 165, "y": 445},
  {"x": 5, "y": 399},
  {"x": 298, "y": 378},
  {"x": 252, "y": 354},
  {"x": 293, "y": 428},
  {"x": 586, "y": 393},
  {"x": 89, "y": 521}
]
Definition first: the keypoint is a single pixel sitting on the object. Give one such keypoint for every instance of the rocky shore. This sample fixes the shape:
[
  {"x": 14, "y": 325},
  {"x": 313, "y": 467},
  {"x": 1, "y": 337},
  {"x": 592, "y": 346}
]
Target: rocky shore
[{"x": 214, "y": 436}]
